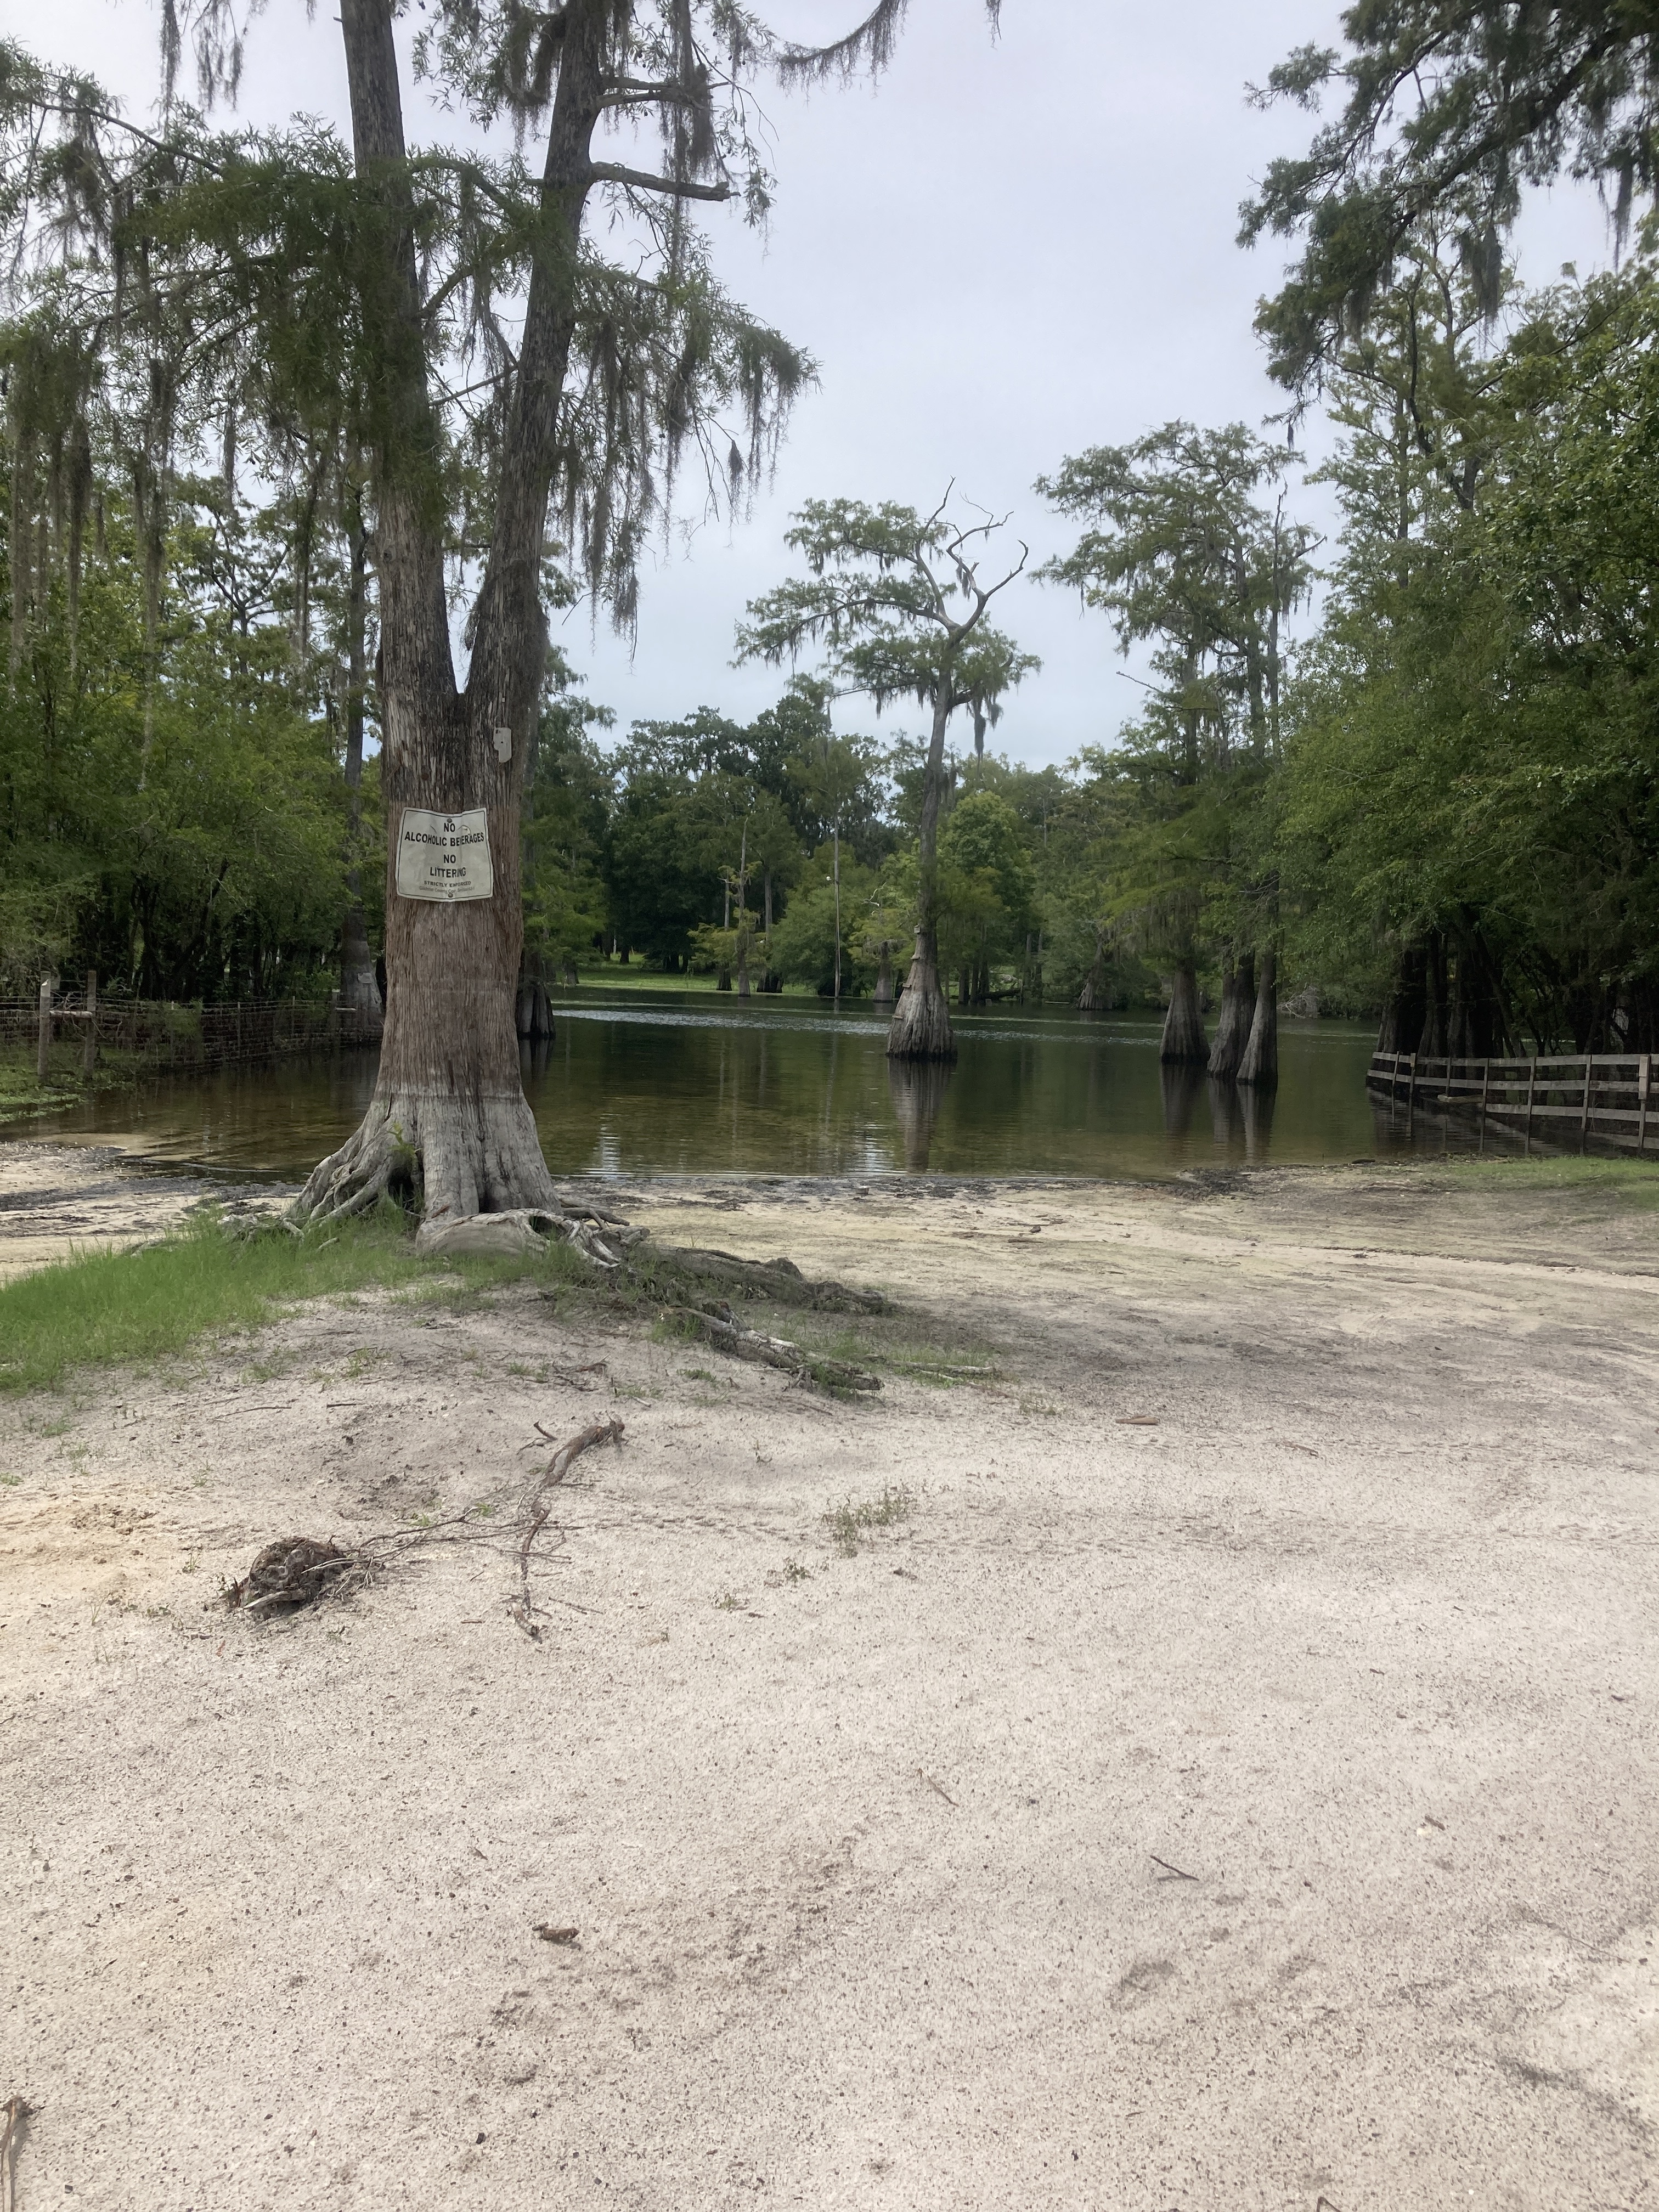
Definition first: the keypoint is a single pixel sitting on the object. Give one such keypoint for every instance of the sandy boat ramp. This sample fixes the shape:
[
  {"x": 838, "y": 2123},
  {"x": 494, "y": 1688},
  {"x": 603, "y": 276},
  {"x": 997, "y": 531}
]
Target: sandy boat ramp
[{"x": 1206, "y": 1761}]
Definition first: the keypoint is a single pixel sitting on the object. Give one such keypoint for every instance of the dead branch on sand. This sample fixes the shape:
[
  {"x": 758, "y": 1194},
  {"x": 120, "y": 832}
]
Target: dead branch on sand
[
  {"x": 16, "y": 2112},
  {"x": 538, "y": 1504}
]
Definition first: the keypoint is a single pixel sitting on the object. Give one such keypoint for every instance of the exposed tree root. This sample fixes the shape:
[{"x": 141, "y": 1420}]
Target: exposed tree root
[
  {"x": 457, "y": 1156},
  {"x": 665, "y": 1270},
  {"x": 725, "y": 1334},
  {"x": 475, "y": 1171}
]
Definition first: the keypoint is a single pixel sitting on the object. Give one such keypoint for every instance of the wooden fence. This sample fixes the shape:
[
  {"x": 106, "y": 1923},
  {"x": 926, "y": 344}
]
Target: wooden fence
[
  {"x": 165, "y": 1035},
  {"x": 1568, "y": 1099}
]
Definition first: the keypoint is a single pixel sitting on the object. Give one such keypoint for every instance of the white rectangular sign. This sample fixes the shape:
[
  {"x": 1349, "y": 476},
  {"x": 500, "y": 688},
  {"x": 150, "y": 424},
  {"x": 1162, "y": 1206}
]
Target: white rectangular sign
[{"x": 445, "y": 856}]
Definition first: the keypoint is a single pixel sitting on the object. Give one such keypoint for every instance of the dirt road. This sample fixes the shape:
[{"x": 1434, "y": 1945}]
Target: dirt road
[{"x": 1223, "y": 1774}]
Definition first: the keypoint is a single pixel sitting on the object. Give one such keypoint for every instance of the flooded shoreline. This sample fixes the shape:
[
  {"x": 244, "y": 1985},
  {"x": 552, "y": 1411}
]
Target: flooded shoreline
[{"x": 632, "y": 1085}]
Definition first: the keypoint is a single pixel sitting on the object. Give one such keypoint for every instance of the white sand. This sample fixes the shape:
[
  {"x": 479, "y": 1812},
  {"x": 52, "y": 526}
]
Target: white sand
[{"x": 866, "y": 1869}]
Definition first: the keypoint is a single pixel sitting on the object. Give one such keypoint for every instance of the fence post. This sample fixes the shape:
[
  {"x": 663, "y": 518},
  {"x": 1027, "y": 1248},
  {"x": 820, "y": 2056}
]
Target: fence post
[
  {"x": 43, "y": 1052},
  {"x": 1485, "y": 1092},
  {"x": 1410, "y": 1092},
  {"x": 1532, "y": 1085},
  {"x": 1583, "y": 1115},
  {"x": 1642, "y": 1101},
  {"x": 89, "y": 1051}
]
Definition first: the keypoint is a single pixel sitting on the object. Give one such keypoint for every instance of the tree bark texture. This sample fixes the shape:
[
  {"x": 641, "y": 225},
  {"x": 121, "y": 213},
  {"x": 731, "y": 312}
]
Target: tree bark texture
[
  {"x": 1238, "y": 1009},
  {"x": 1184, "y": 1025},
  {"x": 448, "y": 1122},
  {"x": 920, "y": 1027},
  {"x": 1260, "y": 1064},
  {"x": 359, "y": 990}
]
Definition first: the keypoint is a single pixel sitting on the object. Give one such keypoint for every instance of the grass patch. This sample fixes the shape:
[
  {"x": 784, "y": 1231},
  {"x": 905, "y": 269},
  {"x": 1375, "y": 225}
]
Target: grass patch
[
  {"x": 1634, "y": 1182},
  {"x": 851, "y": 1521},
  {"x": 133, "y": 1308}
]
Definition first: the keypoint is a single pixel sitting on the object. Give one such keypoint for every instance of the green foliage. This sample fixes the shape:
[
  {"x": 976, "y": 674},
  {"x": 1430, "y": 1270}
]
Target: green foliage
[
  {"x": 1475, "y": 752},
  {"x": 892, "y": 598},
  {"x": 802, "y": 948},
  {"x": 1450, "y": 108},
  {"x": 191, "y": 848}
]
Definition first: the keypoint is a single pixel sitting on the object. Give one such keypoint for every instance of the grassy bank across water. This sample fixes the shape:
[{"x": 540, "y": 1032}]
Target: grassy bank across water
[{"x": 135, "y": 1308}]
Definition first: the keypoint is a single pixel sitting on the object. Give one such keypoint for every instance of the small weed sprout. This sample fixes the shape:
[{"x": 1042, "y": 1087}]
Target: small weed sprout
[
  {"x": 794, "y": 1572},
  {"x": 728, "y": 1601},
  {"x": 853, "y": 1520},
  {"x": 698, "y": 1374}
]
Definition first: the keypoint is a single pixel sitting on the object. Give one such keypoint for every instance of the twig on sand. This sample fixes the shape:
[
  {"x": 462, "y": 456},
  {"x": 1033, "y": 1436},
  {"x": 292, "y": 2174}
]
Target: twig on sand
[
  {"x": 1170, "y": 1873},
  {"x": 938, "y": 1789},
  {"x": 538, "y": 1504},
  {"x": 16, "y": 2112}
]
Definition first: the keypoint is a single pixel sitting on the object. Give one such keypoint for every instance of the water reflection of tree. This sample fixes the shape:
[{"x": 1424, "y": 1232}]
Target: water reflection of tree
[
  {"x": 1181, "y": 1081},
  {"x": 1255, "y": 1112},
  {"x": 917, "y": 1088}
]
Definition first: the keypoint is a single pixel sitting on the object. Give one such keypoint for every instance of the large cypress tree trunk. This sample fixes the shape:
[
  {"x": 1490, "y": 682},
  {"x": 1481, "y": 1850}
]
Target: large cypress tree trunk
[
  {"x": 1260, "y": 1064},
  {"x": 448, "y": 1120},
  {"x": 920, "y": 1027},
  {"x": 359, "y": 991},
  {"x": 1184, "y": 1025},
  {"x": 1402, "y": 1010},
  {"x": 1430, "y": 1044},
  {"x": 1237, "y": 1007}
]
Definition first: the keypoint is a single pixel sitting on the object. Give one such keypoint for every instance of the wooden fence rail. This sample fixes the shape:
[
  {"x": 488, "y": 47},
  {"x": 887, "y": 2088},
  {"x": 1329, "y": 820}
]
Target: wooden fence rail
[
  {"x": 1608, "y": 1096},
  {"x": 169, "y": 1036}
]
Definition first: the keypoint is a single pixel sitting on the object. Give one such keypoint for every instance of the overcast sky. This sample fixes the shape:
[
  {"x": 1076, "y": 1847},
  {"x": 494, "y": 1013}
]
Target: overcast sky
[{"x": 1010, "y": 250}]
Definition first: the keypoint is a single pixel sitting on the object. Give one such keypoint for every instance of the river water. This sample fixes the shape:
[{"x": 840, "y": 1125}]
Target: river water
[{"x": 639, "y": 1084}]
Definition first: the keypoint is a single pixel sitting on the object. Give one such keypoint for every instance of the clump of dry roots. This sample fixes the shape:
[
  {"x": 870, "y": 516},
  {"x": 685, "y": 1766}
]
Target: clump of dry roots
[
  {"x": 294, "y": 1571},
  {"x": 297, "y": 1570}
]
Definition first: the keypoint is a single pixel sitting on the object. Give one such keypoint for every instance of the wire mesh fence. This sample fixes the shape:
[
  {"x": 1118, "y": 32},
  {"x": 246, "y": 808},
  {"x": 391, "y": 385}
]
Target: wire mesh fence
[{"x": 166, "y": 1035}]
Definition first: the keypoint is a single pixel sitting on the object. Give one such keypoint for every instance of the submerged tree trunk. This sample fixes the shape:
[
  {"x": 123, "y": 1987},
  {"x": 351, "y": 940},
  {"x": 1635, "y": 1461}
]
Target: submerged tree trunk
[
  {"x": 1095, "y": 997},
  {"x": 1184, "y": 1025},
  {"x": 1259, "y": 1065},
  {"x": 837, "y": 836},
  {"x": 1403, "y": 1009},
  {"x": 533, "y": 1009},
  {"x": 920, "y": 1027},
  {"x": 359, "y": 990},
  {"x": 1237, "y": 1007},
  {"x": 449, "y": 1124},
  {"x": 1431, "y": 1042}
]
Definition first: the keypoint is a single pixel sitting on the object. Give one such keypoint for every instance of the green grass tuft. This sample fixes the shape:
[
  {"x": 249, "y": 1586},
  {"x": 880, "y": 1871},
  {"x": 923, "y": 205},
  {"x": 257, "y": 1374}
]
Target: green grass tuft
[
  {"x": 851, "y": 1521},
  {"x": 134, "y": 1309}
]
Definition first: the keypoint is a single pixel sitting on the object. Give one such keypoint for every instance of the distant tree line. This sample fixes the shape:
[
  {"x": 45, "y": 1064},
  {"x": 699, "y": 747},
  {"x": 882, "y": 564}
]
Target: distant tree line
[{"x": 1438, "y": 807}]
